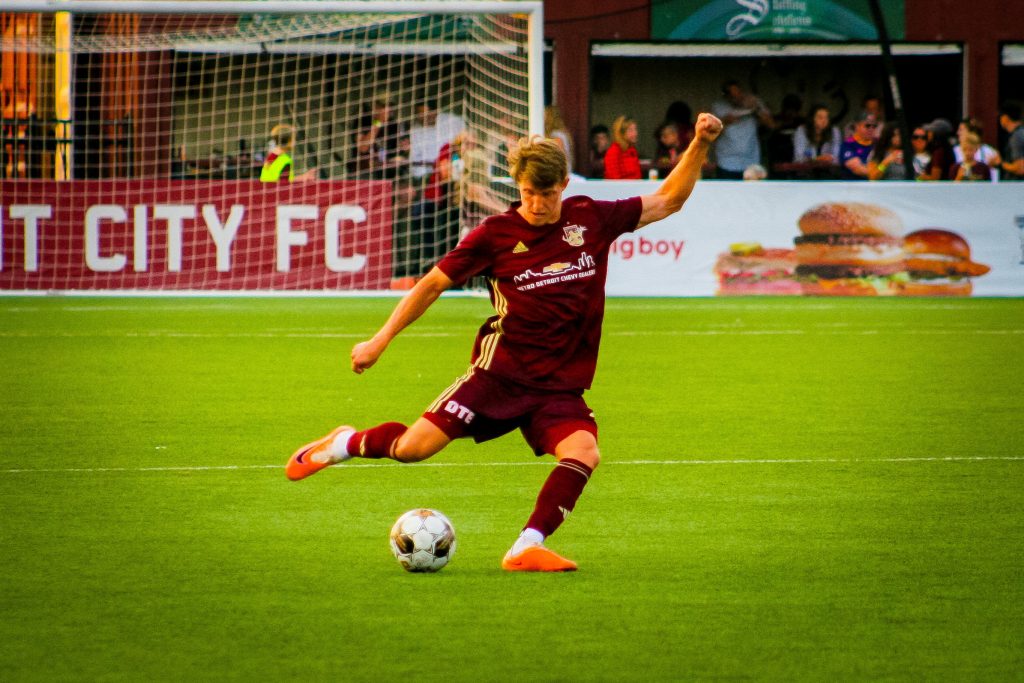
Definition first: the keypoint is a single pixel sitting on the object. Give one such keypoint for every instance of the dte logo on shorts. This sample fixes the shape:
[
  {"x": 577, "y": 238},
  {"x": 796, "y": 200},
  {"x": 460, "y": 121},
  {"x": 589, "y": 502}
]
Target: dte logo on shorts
[{"x": 463, "y": 413}]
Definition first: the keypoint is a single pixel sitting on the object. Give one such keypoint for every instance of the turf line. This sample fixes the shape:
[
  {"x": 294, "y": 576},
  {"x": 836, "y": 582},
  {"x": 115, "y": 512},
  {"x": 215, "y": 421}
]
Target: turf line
[
  {"x": 528, "y": 463},
  {"x": 611, "y": 333}
]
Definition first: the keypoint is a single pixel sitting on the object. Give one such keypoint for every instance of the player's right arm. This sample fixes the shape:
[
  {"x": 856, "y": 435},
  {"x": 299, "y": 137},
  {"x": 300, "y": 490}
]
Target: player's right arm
[{"x": 408, "y": 310}]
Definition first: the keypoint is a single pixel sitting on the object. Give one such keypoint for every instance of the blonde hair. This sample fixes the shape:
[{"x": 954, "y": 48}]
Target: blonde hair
[
  {"x": 619, "y": 127},
  {"x": 282, "y": 134},
  {"x": 552, "y": 120},
  {"x": 540, "y": 160}
]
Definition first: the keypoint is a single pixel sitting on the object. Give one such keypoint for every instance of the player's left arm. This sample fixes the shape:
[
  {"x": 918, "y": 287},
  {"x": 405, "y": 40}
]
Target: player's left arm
[{"x": 676, "y": 188}]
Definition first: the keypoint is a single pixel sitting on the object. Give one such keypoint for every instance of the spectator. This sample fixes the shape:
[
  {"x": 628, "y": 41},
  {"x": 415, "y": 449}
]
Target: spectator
[
  {"x": 510, "y": 134},
  {"x": 460, "y": 180},
  {"x": 430, "y": 132},
  {"x": 555, "y": 128},
  {"x": 738, "y": 146},
  {"x": 679, "y": 113},
  {"x": 919, "y": 141},
  {"x": 600, "y": 139},
  {"x": 874, "y": 105},
  {"x": 970, "y": 168},
  {"x": 1013, "y": 157},
  {"x": 477, "y": 200},
  {"x": 886, "y": 159},
  {"x": 669, "y": 150},
  {"x": 382, "y": 144},
  {"x": 781, "y": 140},
  {"x": 278, "y": 166},
  {"x": 437, "y": 221},
  {"x": 986, "y": 153},
  {"x": 855, "y": 150},
  {"x": 940, "y": 149},
  {"x": 622, "y": 161},
  {"x": 817, "y": 139}
]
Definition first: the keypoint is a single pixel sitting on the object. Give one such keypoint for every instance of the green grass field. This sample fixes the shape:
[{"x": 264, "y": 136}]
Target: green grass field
[{"x": 791, "y": 489}]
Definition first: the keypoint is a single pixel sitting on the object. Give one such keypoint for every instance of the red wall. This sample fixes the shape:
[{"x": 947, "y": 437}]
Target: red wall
[{"x": 981, "y": 26}]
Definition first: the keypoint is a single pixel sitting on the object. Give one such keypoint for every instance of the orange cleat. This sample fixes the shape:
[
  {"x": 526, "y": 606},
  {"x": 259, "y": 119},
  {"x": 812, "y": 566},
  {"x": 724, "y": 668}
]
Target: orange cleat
[
  {"x": 537, "y": 558},
  {"x": 314, "y": 456}
]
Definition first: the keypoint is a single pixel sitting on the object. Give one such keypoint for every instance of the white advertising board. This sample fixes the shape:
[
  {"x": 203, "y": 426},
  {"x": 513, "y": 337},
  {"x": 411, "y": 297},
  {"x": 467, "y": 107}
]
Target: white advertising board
[{"x": 677, "y": 256}]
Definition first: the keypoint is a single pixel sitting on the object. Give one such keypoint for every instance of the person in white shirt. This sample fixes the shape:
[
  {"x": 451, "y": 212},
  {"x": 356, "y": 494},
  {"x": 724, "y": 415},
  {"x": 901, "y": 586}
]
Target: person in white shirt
[
  {"x": 985, "y": 154},
  {"x": 817, "y": 139},
  {"x": 432, "y": 131}
]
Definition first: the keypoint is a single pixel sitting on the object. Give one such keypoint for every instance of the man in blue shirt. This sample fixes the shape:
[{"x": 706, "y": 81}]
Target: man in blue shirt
[
  {"x": 738, "y": 146},
  {"x": 855, "y": 150}
]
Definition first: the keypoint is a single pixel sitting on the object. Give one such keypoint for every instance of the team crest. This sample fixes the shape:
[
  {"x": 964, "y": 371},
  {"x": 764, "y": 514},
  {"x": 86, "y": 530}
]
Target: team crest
[{"x": 574, "y": 235}]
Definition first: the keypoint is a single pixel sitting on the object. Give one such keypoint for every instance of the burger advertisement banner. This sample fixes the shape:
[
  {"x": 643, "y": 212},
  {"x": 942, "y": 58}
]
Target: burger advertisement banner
[{"x": 824, "y": 239}]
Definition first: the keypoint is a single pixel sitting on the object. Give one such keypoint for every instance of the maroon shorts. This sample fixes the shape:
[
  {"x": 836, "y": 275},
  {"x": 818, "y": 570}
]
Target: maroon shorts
[{"x": 485, "y": 406}]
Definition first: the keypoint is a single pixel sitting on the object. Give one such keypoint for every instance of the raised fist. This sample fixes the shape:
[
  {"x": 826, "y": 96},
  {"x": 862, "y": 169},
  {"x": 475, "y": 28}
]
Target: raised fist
[{"x": 708, "y": 127}]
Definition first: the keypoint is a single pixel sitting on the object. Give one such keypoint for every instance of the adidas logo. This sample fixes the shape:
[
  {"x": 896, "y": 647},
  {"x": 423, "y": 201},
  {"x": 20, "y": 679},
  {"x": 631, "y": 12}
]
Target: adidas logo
[
  {"x": 565, "y": 512},
  {"x": 520, "y": 248}
]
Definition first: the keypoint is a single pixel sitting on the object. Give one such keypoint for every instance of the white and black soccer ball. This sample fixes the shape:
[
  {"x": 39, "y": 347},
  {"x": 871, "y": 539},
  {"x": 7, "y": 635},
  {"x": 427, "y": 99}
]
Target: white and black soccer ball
[{"x": 423, "y": 540}]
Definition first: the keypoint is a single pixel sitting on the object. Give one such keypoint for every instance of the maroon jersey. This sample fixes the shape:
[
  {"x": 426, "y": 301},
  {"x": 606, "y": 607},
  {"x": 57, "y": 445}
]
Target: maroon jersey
[{"x": 547, "y": 288}]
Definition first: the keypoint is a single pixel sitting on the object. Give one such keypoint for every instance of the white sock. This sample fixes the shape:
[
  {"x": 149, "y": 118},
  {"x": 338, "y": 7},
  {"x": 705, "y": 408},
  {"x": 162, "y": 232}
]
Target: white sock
[
  {"x": 339, "y": 447},
  {"x": 526, "y": 539}
]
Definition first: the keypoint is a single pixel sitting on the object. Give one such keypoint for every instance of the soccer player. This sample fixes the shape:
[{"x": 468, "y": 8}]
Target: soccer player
[{"x": 545, "y": 260}]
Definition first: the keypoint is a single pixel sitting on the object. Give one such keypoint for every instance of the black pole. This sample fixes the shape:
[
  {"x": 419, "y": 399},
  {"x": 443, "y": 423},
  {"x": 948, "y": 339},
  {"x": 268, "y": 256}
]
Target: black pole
[{"x": 894, "y": 89}]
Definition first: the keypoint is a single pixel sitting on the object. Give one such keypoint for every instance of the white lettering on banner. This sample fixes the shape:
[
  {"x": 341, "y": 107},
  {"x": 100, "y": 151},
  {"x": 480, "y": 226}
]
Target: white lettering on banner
[
  {"x": 223, "y": 235},
  {"x": 93, "y": 259},
  {"x": 628, "y": 248},
  {"x": 332, "y": 233},
  {"x": 140, "y": 239},
  {"x": 286, "y": 237},
  {"x": 30, "y": 213},
  {"x": 757, "y": 11},
  {"x": 174, "y": 214}
]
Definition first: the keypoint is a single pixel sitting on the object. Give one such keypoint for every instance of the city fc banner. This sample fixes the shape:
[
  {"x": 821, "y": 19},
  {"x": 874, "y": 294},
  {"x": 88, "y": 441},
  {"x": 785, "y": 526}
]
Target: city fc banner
[
  {"x": 823, "y": 239},
  {"x": 194, "y": 235},
  {"x": 731, "y": 238}
]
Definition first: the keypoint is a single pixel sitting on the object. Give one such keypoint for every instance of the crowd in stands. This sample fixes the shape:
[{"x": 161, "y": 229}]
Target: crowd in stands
[
  {"x": 444, "y": 171},
  {"x": 809, "y": 143}
]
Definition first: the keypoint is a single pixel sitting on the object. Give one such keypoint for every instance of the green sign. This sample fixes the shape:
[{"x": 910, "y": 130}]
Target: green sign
[{"x": 773, "y": 20}]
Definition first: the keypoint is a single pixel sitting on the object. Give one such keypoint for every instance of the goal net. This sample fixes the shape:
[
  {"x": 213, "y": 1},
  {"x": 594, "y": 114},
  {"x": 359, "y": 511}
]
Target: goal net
[{"x": 150, "y": 150}]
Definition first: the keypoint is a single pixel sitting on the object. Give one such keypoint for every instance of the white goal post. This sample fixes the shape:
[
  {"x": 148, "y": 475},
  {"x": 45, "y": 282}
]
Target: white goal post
[{"x": 150, "y": 123}]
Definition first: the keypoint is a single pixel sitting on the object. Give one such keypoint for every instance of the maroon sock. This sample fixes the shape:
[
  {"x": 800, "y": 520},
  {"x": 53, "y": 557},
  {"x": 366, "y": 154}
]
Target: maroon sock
[
  {"x": 558, "y": 495},
  {"x": 376, "y": 442}
]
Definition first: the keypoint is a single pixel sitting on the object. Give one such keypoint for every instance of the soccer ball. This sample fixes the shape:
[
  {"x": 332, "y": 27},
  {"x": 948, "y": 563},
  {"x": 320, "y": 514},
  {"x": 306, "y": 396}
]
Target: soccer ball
[{"x": 423, "y": 540}]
